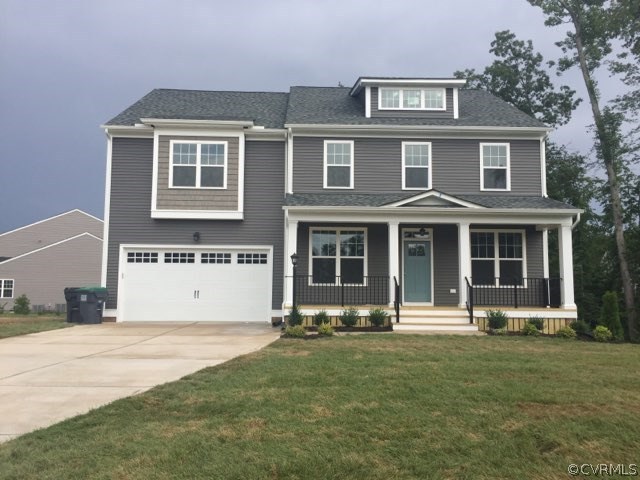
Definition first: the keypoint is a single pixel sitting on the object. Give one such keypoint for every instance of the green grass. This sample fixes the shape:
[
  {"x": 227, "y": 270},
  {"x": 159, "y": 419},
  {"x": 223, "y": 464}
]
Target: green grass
[
  {"x": 362, "y": 407},
  {"x": 13, "y": 325}
]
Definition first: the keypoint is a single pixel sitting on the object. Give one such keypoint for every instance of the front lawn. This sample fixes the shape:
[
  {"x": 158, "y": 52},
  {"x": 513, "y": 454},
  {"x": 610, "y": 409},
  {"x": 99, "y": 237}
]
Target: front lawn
[
  {"x": 12, "y": 325},
  {"x": 362, "y": 407}
]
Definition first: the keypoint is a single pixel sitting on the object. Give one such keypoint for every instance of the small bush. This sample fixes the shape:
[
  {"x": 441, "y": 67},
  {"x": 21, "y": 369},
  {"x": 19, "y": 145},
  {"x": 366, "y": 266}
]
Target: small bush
[
  {"x": 580, "y": 327},
  {"x": 497, "y": 319},
  {"x": 2, "y": 305},
  {"x": 295, "y": 331},
  {"x": 377, "y": 316},
  {"x": 602, "y": 334},
  {"x": 349, "y": 317},
  {"x": 537, "y": 322},
  {"x": 498, "y": 331},
  {"x": 295, "y": 317},
  {"x": 324, "y": 329},
  {"x": 610, "y": 315},
  {"x": 21, "y": 305},
  {"x": 321, "y": 317},
  {"x": 566, "y": 332},
  {"x": 530, "y": 330}
]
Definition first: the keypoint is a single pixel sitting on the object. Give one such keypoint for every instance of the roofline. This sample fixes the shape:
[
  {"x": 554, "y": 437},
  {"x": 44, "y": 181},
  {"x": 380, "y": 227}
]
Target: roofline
[
  {"x": 434, "y": 193},
  {"x": 362, "y": 81},
  {"x": 192, "y": 122},
  {"x": 49, "y": 246},
  {"x": 51, "y": 218},
  {"x": 438, "y": 210},
  {"x": 437, "y": 128}
]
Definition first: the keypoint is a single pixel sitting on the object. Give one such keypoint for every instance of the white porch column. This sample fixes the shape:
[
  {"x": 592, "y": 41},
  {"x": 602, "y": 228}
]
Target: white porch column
[
  {"x": 545, "y": 252},
  {"x": 291, "y": 248},
  {"x": 566, "y": 265},
  {"x": 464, "y": 260},
  {"x": 394, "y": 258}
]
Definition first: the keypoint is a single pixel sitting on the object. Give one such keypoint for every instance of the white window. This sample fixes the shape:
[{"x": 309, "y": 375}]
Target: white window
[
  {"x": 179, "y": 257},
  {"x": 6, "y": 288},
  {"x": 498, "y": 258},
  {"x": 211, "y": 257},
  {"x": 142, "y": 257},
  {"x": 338, "y": 256},
  {"x": 416, "y": 165},
  {"x": 338, "y": 164},
  {"x": 412, "y": 99},
  {"x": 198, "y": 164},
  {"x": 252, "y": 258},
  {"x": 495, "y": 171}
]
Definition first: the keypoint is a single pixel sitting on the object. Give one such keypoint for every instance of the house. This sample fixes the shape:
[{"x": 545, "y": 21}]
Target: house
[
  {"x": 41, "y": 259},
  {"x": 398, "y": 192}
]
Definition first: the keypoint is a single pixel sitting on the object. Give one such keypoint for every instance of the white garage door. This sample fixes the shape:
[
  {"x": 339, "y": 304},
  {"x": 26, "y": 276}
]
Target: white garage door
[{"x": 187, "y": 284}]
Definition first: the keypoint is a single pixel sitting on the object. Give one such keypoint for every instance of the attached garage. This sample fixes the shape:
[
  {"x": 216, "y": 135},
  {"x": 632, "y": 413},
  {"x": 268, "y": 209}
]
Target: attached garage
[{"x": 186, "y": 283}]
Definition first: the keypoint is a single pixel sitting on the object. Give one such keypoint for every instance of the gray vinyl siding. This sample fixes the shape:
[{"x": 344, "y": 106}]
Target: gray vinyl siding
[
  {"x": 44, "y": 275},
  {"x": 130, "y": 220},
  {"x": 433, "y": 114},
  {"x": 445, "y": 265},
  {"x": 48, "y": 232},
  {"x": 197, "y": 198},
  {"x": 378, "y": 165}
]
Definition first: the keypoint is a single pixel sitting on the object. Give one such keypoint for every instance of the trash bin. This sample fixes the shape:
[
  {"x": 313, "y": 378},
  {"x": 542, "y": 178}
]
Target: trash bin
[{"x": 85, "y": 304}]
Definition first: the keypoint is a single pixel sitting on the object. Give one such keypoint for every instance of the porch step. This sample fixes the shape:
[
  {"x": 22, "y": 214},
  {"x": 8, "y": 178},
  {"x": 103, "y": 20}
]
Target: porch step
[
  {"x": 423, "y": 319},
  {"x": 442, "y": 328}
]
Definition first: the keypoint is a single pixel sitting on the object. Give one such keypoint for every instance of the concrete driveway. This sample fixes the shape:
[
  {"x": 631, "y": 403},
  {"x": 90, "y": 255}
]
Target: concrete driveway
[{"x": 49, "y": 376}]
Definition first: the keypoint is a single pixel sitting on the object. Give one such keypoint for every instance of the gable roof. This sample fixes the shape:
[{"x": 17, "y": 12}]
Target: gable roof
[{"x": 266, "y": 109}]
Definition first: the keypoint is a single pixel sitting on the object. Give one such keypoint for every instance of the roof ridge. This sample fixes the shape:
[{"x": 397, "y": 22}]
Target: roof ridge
[{"x": 217, "y": 91}]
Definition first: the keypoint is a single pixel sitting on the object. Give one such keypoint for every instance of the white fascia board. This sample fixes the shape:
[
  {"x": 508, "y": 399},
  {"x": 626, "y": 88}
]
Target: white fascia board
[
  {"x": 13, "y": 259},
  {"x": 406, "y": 81},
  {"x": 434, "y": 193},
  {"x": 198, "y": 214},
  {"x": 177, "y": 122},
  {"x": 265, "y": 134},
  {"x": 535, "y": 132},
  {"x": 128, "y": 131},
  {"x": 49, "y": 219}
]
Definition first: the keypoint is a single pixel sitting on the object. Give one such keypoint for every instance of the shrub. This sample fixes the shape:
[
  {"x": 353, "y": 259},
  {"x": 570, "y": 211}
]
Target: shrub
[
  {"x": 566, "y": 332},
  {"x": 321, "y": 318},
  {"x": 324, "y": 329},
  {"x": 295, "y": 317},
  {"x": 580, "y": 327},
  {"x": 377, "y": 316},
  {"x": 349, "y": 317},
  {"x": 2, "y": 305},
  {"x": 497, "y": 319},
  {"x": 537, "y": 322},
  {"x": 498, "y": 331},
  {"x": 21, "y": 305},
  {"x": 602, "y": 334},
  {"x": 610, "y": 315},
  {"x": 530, "y": 329},
  {"x": 295, "y": 331}
]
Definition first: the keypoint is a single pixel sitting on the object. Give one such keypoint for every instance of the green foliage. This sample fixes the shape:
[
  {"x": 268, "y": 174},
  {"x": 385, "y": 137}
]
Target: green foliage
[
  {"x": 497, "y": 319},
  {"x": 349, "y": 317},
  {"x": 580, "y": 327},
  {"x": 295, "y": 316},
  {"x": 610, "y": 315},
  {"x": 2, "y": 305},
  {"x": 530, "y": 329},
  {"x": 21, "y": 306},
  {"x": 498, "y": 331},
  {"x": 566, "y": 332},
  {"x": 537, "y": 322},
  {"x": 324, "y": 329},
  {"x": 320, "y": 318},
  {"x": 377, "y": 316},
  {"x": 295, "y": 331},
  {"x": 602, "y": 334}
]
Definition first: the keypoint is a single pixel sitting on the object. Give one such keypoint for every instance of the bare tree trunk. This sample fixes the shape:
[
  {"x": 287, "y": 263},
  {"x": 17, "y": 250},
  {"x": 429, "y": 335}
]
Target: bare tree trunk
[{"x": 608, "y": 156}]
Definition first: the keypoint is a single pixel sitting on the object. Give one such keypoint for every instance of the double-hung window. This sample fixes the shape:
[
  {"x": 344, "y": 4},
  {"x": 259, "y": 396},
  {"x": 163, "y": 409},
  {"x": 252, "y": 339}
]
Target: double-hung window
[
  {"x": 412, "y": 99},
  {"x": 495, "y": 166},
  {"x": 338, "y": 254},
  {"x": 198, "y": 164},
  {"x": 338, "y": 164},
  {"x": 6, "y": 288},
  {"x": 416, "y": 165},
  {"x": 497, "y": 256}
]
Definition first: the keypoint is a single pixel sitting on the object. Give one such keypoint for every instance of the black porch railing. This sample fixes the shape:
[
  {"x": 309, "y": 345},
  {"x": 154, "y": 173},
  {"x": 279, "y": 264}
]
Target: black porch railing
[{"x": 374, "y": 290}]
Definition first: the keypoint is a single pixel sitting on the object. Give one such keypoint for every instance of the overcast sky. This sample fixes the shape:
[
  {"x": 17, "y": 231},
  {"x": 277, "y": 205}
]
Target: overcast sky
[{"x": 68, "y": 66}]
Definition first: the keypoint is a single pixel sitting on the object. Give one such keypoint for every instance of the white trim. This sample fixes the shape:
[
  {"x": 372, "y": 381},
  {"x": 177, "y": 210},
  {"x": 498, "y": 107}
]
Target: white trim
[
  {"x": 154, "y": 173},
  {"x": 338, "y": 256},
  {"x": 179, "y": 122},
  {"x": 367, "y": 101},
  {"x": 394, "y": 257},
  {"x": 434, "y": 193},
  {"x": 198, "y": 165},
  {"x": 422, "y": 107},
  {"x": 565, "y": 249},
  {"x": 445, "y": 82},
  {"x": 464, "y": 261},
  {"x": 431, "y": 249},
  {"x": 289, "y": 150},
  {"x": 543, "y": 166},
  {"x": 2, "y": 288},
  {"x": 496, "y": 251},
  {"x": 425, "y": 129},
  {"x": 404, "y": 166},
  {"x": 507, "y": 168},
  {"x": 456, "y": 111},
  {"x": 324, "y": 179},
  {"x": 545, "y": 252},
  {"x": 198, "y": 214},
  {"x": 48, "y": 219},
  {"x": 562, "y": 313},
  {"x": 241, "y": 162},
  {"x": 13, "y": 259},
  {"x": 107, "y": 213}
]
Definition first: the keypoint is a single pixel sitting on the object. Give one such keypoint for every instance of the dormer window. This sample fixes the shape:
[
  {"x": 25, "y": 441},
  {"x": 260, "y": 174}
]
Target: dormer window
[{"x": 412, "y": 99}]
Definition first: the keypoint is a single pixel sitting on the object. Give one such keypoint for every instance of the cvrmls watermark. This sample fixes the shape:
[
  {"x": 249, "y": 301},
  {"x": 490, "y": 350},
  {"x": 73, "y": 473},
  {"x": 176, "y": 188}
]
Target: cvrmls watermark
[{"x": 603, "y": 469}]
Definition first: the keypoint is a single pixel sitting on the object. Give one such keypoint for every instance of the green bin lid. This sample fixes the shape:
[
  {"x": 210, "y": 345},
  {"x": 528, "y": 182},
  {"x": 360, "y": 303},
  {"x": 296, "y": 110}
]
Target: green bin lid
[{"x": 94, "y": 288}]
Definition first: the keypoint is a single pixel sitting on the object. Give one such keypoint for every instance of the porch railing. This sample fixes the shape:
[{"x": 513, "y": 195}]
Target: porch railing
[
  {"x": 373, "y": 290},
  {"x": 396, "y": 298}
]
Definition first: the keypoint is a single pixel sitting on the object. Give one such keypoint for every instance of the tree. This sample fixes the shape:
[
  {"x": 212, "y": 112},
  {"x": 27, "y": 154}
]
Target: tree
[
  {"x": 588, "y": 46},
  {"x": 519, "y": 77}
]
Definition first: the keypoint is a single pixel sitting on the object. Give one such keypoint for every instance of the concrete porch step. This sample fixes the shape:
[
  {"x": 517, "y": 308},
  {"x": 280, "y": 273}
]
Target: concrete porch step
[
  {"x": 430, "y": 319},
  {"x": 443, "y": 328}
]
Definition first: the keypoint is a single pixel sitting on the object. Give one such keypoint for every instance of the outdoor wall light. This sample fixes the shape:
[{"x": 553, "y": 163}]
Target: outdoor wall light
[
  {"x": 294, "y": 259},
  {"x": 196, "y": 237}
]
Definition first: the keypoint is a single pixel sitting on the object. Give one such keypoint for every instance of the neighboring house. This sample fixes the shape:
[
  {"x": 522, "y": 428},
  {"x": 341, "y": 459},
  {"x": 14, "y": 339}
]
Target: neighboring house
[
  {"x": 41, "y": 259},
  {"x": 407, "y": 181}
]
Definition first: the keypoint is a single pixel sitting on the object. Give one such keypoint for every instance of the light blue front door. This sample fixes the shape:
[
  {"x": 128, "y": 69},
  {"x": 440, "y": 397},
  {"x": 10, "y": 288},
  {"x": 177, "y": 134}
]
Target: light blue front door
[{"x": 417, "y": 271}]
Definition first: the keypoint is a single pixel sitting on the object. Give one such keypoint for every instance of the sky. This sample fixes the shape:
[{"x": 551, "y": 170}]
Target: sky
[{"x": 68, "y": 66}]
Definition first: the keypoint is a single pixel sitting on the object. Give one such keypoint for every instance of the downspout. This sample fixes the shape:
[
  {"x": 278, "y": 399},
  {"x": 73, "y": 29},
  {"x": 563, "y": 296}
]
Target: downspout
[{"x": 576, "y": 222}]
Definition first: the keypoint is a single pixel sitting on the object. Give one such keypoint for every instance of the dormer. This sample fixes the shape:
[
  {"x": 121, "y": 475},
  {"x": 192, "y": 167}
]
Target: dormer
[{"x": 409, "y": 97}]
